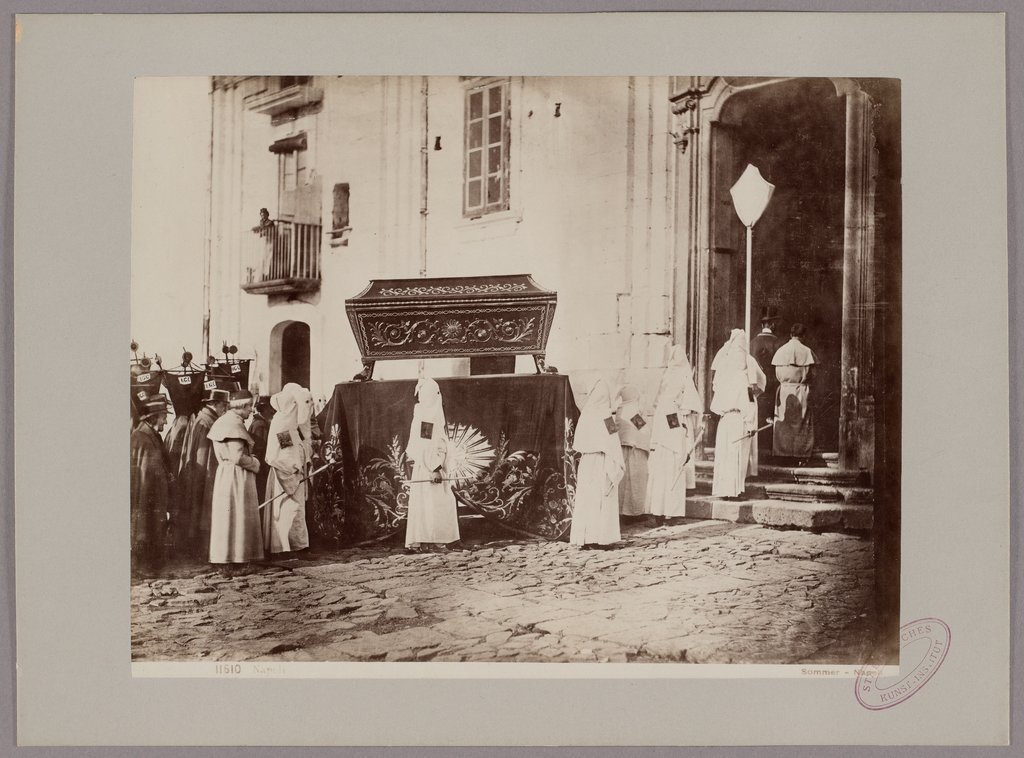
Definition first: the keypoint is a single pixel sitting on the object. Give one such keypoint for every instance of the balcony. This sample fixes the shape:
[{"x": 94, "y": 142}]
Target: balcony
[
  {"x": 286, "y": 98},
  {"x": 283, "y": 258}
]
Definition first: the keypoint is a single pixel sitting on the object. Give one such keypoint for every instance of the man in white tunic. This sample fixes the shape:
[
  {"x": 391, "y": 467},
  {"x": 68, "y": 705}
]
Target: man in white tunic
[
  {"x": 736, "y": 383},
  {"x": 677, "y": 412},
  {"x": 288, "y": 454},
  {"x": 234, "y": 515},
  {"x": 595, "y": 512},
  {"x": 433, "y": 514},
  {"x": 794, "y": 427}
]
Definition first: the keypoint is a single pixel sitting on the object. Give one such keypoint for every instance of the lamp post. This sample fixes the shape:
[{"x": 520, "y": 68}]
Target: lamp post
[{"x": 750, "y": 196}]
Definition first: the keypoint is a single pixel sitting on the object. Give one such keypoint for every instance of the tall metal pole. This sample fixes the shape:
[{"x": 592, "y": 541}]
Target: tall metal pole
[
  {"x": 208, "y": 242},
  {"x": 750, "y": 260}
]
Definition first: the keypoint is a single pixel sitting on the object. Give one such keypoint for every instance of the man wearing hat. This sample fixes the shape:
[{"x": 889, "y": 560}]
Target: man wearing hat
[
  {"x": 191, "y": 522},
  {"x": 235, "y": 533},
  {"x": 151, "y": 483},
  {"x": 762, "y": 349}
]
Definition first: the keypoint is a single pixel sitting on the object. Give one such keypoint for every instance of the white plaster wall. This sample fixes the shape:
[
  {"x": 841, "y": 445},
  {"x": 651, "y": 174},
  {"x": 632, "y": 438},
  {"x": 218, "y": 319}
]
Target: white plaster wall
[{"x": 592, "y": 208}]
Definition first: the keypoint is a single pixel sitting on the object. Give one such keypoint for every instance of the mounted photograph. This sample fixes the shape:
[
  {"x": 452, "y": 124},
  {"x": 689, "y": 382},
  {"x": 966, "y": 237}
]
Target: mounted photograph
[{"x": 504, "y": 369}]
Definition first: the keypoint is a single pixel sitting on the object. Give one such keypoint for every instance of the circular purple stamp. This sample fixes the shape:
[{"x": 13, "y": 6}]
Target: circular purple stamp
[{"x": 923, "y": 647}]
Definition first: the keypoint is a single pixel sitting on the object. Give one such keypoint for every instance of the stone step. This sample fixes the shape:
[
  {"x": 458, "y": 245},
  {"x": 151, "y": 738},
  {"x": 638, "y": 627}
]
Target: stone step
[
  {"x": 761, "y": 489},
  {"x": 828, "y": 460},
  {"x": 799, "y": 474},
  {"x": 789, "y": 514}
]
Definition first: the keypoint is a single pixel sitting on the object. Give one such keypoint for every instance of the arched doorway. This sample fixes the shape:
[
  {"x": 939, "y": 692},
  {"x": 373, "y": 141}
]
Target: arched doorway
[
  {"x": 289, "y": 354},
  {"x": 828, "y": 247},
  {"x": 794, "y": 132}
]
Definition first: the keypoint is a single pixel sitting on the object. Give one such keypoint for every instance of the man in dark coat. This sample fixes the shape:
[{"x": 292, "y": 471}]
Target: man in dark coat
[
  {"x": 259, "y": 427},
  {"x": 151, "y": 482},
  {"x": 191, "y": 521},
  {"x": 762, "y": 348}
]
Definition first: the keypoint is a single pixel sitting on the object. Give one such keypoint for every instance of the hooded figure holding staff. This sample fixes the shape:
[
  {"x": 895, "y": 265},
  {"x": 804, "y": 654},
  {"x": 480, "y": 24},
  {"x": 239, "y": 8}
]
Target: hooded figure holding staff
[
  {"x": 433, "y": 514},
  {"x": 677, "y": 410},
  {"x": 289, "y": 450},
  {"x": 595, "y": 512},
  {"x": 737, "y": 382}
]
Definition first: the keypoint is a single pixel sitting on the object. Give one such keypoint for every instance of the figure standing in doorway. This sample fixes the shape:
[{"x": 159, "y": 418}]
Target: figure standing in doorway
[
  {"x": 762, "y": 348},
  {"x": 736, "y": 383},
  {"x": 794, "y": 424}
]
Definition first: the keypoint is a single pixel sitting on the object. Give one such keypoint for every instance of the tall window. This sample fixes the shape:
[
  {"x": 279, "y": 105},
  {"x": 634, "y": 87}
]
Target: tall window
[
  {"x": 292, "y": 170},
  {"x": 487, "y": 147},
  {"x": 297, "y": 198}
]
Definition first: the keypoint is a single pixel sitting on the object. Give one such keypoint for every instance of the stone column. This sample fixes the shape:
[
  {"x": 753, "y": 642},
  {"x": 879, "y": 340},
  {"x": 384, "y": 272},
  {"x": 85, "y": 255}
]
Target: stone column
[{"x": 857, "y": 409}]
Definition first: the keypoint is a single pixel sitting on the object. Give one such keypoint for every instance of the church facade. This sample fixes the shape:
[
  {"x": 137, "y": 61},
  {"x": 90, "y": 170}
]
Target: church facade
[{"x": 611, "y": 191}]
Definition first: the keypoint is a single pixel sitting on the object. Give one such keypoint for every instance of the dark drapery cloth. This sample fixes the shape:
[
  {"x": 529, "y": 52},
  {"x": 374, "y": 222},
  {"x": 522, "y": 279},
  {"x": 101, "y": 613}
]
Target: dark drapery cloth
[
  {"x": 230, "y": 372},
  {"x": 186, "y": 391},
  {"x": 144, "y": 383},
  {"x": 190, "y": 521},
  {"x": 175, "y": 440},
  {"x": 509, "y": 436},
  {"x": 150, "y": 484}
]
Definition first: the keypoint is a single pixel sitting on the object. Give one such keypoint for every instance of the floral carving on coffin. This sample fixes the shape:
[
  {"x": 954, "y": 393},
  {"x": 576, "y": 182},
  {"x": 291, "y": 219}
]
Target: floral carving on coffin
[{"x": 451, "y": 331}]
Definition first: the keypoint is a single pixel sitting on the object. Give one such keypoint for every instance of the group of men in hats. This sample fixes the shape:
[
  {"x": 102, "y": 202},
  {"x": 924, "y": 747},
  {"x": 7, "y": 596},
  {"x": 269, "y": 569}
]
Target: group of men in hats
[
  {"x": 205, "y": 502},
  {"x": 788, "y": 367}
]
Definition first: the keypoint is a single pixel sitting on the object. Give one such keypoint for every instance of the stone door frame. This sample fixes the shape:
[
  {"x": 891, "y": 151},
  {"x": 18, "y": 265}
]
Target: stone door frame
[{"x": 697, "y": 103}]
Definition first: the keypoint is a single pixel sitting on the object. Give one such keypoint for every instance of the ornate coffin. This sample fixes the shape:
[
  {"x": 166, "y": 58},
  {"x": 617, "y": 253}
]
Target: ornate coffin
[{"x": 451, "y": 317}]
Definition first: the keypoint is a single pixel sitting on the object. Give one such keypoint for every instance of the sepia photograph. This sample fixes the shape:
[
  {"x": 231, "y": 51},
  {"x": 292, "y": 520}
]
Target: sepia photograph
[{"x": 516, "y": 369}]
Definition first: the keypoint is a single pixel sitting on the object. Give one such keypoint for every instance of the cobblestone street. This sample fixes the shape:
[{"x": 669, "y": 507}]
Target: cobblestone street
[{"x": 700, "y": 591}]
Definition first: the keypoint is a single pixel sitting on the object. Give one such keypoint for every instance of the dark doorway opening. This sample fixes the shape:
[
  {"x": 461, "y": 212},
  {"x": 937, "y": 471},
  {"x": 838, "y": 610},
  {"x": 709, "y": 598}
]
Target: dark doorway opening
[
  {"x": 794, "y": 132},
  {"x": 295, "y": 354}
]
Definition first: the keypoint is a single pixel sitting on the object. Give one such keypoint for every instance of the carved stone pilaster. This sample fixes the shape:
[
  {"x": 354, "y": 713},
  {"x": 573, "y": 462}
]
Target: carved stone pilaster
[{"x": 686, "y": 109}]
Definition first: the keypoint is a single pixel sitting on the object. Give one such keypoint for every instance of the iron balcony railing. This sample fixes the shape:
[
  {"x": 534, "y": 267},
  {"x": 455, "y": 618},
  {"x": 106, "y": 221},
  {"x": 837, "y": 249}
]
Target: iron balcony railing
[{"x": 284, "y": 256}]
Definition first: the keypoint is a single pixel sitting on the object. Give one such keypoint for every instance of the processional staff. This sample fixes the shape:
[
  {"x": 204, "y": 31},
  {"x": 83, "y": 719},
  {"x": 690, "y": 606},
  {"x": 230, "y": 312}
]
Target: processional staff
[{"x": 750, "y": 196}]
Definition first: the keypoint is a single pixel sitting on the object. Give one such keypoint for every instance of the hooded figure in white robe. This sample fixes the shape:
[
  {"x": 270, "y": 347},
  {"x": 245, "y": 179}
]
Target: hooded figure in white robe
[
  {"x": 234, "y": 513},
  {"x": 635, "y": 436},
  {"x": 736, "y": 383},
  {"x": 677, "y": 412},
  {"x": 595, "y": 513},
  {"x": 433, "y": 513},
  {"x": 288, "y": 455}
]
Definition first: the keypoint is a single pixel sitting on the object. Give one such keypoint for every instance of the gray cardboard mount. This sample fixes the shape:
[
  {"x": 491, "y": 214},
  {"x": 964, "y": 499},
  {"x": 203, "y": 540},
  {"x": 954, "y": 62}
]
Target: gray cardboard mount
[{"x": 72, "y": 240}]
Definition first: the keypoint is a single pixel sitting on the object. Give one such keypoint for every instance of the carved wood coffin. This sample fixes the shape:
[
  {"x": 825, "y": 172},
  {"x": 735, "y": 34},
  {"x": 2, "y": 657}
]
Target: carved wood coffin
[{"x": 451, "y": 317}]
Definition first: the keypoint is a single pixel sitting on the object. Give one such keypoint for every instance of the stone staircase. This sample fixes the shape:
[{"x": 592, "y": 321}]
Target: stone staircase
[{"x": 818, "y": 496}]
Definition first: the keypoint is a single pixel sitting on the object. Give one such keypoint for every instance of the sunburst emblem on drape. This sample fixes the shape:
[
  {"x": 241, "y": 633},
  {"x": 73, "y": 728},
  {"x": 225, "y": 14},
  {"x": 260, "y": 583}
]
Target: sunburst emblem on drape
[{"x": 469, "y": 452}]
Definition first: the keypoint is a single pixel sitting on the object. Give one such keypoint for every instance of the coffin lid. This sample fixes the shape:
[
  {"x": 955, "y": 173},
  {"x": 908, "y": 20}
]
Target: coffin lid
[{"x": 510, "y": 286}]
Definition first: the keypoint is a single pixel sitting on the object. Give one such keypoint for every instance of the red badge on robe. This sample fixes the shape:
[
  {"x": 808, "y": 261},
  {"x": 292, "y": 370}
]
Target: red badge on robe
[
  {"x": 638, "y": 421},
  {"x": 609, "y": 424},
  {"x": 673, "y": 420},
  {"x": 426, "y": 430}
]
